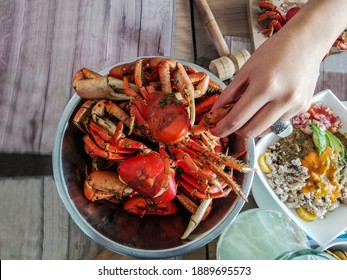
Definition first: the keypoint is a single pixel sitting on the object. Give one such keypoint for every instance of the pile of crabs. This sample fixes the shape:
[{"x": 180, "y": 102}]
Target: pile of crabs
[{"x": 146, "y": 128}]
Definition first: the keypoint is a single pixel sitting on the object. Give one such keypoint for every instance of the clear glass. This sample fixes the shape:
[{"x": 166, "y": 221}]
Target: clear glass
[
  {"x": 306, "y": 254},
  {"x": 260, "y": 234}
]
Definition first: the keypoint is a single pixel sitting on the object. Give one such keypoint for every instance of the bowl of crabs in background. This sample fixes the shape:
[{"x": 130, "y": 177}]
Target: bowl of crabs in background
[
  {"x": 304, "y": 174},
  {"x": 135, "y": 164}
]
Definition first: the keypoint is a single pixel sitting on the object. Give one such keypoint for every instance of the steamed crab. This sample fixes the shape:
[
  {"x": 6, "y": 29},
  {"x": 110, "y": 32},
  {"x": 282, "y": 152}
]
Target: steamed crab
[{"x": 141, "y": 119}]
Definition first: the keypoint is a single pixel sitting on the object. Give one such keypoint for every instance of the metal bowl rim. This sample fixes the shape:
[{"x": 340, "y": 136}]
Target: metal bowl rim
[{"x": 112, "y": 245}]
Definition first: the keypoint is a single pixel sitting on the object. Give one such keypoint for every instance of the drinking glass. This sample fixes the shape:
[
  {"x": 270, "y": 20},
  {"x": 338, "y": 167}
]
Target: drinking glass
[{"x": 260, "y": 234}]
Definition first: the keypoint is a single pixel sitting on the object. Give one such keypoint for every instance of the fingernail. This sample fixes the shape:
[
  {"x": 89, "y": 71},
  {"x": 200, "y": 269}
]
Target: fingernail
[
  {"x": 217, "y": 132},
  {"x": 213, "y": 132}
]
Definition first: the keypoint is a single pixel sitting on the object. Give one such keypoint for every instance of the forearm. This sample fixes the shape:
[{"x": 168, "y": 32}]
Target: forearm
[
  {"x": 279, "y": 79},
  {"x": 317, "y": 25}
]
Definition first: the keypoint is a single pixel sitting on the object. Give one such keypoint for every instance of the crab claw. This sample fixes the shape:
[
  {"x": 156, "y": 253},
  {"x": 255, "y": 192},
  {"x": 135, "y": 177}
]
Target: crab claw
[
  {"x": 186, "y": 87},
  {"x": 91, "y": 85},
  {"x": 196, "y": 218}
]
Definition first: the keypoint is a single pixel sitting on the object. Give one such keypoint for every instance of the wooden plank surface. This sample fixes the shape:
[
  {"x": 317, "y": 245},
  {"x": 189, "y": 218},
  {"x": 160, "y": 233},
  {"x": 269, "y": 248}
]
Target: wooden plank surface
[
  {"x": 231, "y": 17},
  {"x": 45, "y": 42},
  {"x": 333, "y": 75},
  {"x": 42, "y": 43},
  {"x": 21, "y": 220},
  {"x": 183, "y": 41},
  {"x": 35, "y": 225},
  {"x": 55, "y": 240}
]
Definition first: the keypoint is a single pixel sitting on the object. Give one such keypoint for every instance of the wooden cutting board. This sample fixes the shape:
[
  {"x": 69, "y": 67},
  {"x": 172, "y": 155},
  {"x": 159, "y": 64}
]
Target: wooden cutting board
[{"x": 257, "y": 38}]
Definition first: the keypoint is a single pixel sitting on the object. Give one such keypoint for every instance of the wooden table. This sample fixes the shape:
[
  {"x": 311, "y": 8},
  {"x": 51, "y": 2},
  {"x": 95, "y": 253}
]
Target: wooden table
[{"x": 42, "y": 43}]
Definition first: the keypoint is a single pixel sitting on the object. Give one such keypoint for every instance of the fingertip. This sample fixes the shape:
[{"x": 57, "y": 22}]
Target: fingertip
[
  {"x": 215, "y": 132},
  {"x": 220, "y": 131}
]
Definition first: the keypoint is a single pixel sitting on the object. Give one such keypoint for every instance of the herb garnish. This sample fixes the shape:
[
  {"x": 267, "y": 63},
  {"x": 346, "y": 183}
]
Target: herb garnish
[{"x": 169, "y": 99}]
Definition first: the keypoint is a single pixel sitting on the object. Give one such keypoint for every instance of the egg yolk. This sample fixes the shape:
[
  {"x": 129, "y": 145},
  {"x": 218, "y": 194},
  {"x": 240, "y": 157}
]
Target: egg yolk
[{"x": 323, "y": 171}]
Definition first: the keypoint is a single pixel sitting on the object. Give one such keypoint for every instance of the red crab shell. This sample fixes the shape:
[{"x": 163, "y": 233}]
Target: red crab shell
[
  {"x": 167, "y": 117},
  {"x": 145, "y": 175},
  {"x": 149, "y": 206}
]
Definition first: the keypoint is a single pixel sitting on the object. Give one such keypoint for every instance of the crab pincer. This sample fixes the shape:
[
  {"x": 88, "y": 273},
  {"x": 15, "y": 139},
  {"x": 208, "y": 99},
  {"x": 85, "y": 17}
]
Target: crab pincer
[{"x": 196, "y": 218}]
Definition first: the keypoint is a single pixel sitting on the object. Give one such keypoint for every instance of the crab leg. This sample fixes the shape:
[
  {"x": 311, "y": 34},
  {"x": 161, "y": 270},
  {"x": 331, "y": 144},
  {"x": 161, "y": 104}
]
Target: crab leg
[
  {"x": 222, "y": 159},
  {"x": 214, "y": 87},
  {"x": 138, "y": 73},
  {"x": 164, "y": 68},
  {"x": 110, "y": 107},
  {"x": 104, "y": 134},
  {"x": 82, "y": 117},
  {"x": 200, "y": 174},
  {"x": 201, "y": 81},
  {"x": 107, "y": 147},
  {"x": 235, "y": 187},
  {"x": 118, "y": 85},
  {"x": 191, "y": 190},
  {"x": 206, "y": 104},
  {"x": 169, "y": 173},
  {"x": 96, "y": 150},
  {"x": 196, "y": 218},
  {"x": 118, "y": 133},
  {"x": 185, "y": 86},
  {"x": 210, "y": 142},
  {"x": 122, "y": 70},
  {"x": 128, "y": 90},
  {"x": 195, "y": 188},
  {"x": 218, "y": 171},
  {"x": 189, "y": 166},
  {"x": 137, "y": 105}
]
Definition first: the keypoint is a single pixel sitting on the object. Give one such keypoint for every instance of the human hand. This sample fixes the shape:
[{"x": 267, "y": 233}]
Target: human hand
[
  {"x": 279, "y": 79},
  {"x": 277, "y": 82}
]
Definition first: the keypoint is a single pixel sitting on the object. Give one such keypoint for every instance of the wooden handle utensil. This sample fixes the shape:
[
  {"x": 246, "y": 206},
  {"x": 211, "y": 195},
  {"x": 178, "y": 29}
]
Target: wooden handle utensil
[
  {"x": 212, "y": 27},
  {"x": 228, "y": 63}
]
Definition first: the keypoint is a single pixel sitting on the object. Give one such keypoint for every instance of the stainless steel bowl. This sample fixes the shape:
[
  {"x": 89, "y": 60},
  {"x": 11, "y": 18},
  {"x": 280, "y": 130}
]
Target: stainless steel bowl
[{"x": 150, "y": 237}]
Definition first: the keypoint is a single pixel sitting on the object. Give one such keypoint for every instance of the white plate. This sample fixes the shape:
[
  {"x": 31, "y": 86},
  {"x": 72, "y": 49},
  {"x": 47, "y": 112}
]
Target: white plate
[{"x": 323, "y": 231}]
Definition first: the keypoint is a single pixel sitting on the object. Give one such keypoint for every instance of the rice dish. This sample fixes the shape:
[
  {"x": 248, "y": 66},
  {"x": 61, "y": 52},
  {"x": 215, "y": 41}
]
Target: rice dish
[{"x": 308, "y": 168}]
